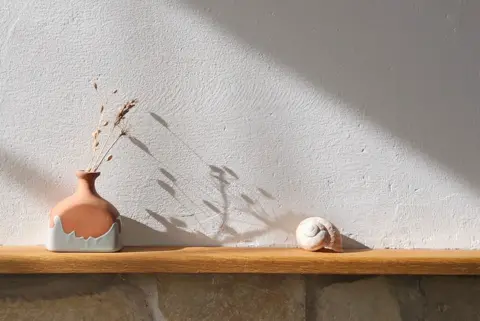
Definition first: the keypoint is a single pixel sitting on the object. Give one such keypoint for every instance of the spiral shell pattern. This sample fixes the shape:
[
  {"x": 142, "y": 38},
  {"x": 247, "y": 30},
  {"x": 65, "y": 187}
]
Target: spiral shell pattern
[{"x": 315, "y": 233}]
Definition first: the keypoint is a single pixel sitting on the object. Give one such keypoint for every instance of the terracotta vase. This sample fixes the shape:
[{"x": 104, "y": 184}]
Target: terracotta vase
[{"x": 84, "y": 221}]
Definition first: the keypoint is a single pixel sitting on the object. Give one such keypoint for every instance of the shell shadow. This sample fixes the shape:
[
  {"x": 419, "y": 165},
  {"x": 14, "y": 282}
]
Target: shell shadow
[{"x": 351, "y": 245}]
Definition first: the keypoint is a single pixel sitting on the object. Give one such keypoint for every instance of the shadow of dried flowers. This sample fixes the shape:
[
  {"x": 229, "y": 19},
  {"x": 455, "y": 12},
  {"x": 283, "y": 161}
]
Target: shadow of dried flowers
[{"x": 221, "y": 178}]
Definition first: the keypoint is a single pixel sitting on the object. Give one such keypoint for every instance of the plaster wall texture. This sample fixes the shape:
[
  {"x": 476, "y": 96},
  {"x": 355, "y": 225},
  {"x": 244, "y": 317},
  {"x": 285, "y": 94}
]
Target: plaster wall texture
[{"x": 252, "y": 116}]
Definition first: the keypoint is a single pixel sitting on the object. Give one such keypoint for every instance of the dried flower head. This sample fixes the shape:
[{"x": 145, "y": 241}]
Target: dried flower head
[
  {"x": 124, "y": 110},
  {"x": 101, "y": 152}
]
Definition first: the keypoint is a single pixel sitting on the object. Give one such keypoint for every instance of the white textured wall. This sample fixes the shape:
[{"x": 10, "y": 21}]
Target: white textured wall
[{"x": 364, "y": 112}]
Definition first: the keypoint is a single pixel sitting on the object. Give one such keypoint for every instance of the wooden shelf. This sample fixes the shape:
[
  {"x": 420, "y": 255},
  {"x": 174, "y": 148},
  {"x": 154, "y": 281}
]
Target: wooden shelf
[{"x": 36, "y": 260}]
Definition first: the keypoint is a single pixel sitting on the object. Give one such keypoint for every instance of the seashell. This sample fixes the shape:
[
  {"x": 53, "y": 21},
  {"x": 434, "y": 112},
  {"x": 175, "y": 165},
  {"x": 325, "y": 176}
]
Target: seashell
[{"x": 315, "y": 233}]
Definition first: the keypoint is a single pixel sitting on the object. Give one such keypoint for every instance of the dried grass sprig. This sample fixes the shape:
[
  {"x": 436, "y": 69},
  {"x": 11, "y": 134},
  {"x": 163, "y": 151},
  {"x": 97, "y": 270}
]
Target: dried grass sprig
[
  {"x": 124, "y": 110},
  {"x": 107, "y": 152},
  {"x": 95, "y": 135},
  {"x": 118, "y": 123}
]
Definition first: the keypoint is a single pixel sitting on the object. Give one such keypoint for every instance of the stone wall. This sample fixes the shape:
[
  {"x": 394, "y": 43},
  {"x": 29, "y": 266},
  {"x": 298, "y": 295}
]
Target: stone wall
[{"x": 167, "y": 297}]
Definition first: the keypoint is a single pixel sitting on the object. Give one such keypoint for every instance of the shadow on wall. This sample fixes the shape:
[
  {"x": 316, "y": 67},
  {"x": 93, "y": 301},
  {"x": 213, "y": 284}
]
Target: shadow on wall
[
  {"x": 38, "y": 184},
  {"x": 176, "y": 231},
  {"x": 412, "y": 67}
]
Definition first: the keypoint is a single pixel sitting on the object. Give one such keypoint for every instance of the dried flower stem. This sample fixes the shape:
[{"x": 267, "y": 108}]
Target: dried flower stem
[
  {"x": 118, "y": 123},
  {"x": 96, "y": 142},
  {"x": 99, "y": 156},
  {"x": 97, "y": 131},
  {"x": 108, "y": 151}
]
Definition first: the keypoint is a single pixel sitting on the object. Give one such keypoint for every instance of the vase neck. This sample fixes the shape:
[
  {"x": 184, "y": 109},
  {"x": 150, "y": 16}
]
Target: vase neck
[{"x": 86, "y": 182}]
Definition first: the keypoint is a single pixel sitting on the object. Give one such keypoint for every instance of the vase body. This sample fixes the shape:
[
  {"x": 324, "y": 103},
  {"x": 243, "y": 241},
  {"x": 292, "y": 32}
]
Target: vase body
[{"x": 84, "y": 221}]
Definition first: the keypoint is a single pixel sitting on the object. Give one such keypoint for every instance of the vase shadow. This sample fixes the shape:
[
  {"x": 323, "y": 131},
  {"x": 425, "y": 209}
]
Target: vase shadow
[{"x": 139, "y": 234}]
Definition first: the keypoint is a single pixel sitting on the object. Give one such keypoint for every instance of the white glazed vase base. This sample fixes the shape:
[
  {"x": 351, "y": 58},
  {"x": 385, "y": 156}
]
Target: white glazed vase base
[{"x": 59, "y": 241}]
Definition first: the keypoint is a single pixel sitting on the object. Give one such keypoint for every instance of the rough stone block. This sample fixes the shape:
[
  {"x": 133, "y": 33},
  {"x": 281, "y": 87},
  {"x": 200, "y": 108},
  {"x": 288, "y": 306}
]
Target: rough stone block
[
  {"x": 75, "y": 298},
  {"x": 365, "y": 300},
  {"x": 231, "y": 297},
  {"x": 451, "y": 298},
  {"x": 395, "y": 298}
]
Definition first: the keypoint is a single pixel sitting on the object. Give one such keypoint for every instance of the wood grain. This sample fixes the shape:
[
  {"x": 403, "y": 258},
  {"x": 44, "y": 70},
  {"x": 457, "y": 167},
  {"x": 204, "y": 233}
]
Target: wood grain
[{"x": 37, "y": 260}]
